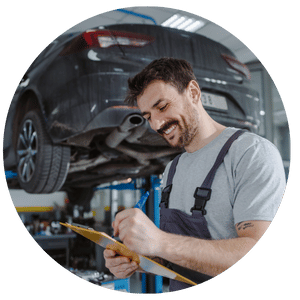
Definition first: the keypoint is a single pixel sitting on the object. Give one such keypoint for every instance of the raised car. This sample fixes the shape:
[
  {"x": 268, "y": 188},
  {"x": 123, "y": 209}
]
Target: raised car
[{"x": 68, "y": 128}]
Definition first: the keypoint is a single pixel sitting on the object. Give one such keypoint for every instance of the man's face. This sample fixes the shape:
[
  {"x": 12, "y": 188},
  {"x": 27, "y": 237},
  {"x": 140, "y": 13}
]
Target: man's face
[{"x": 171, "y": 114}]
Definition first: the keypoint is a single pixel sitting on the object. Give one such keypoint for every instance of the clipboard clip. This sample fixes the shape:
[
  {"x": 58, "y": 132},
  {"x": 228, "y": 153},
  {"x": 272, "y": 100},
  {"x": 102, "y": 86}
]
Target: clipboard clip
[{"x": 81, "y": 226}]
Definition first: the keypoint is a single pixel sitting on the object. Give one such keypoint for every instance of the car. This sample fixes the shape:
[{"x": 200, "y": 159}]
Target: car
[{"x": 68, "y": 128}]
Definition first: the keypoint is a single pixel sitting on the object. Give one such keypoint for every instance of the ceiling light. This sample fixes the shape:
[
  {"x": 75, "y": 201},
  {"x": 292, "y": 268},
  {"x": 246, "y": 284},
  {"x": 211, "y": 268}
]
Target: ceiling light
[
  {"x": 177, "y": 22},
  {"x": 195, "y": 26},
  {"x": 183, "y": 23},
  {"x": 170, "y": 21}
]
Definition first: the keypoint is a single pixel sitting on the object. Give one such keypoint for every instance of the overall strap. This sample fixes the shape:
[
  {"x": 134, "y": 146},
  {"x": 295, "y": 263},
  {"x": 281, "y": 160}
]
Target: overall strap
[
  {"x": 202, "y": 194},
  {"x": 167, "y": 190}
]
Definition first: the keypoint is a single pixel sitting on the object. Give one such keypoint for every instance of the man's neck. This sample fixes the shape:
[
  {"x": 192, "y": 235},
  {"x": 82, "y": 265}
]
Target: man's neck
[{"x": 207, "y": 133}]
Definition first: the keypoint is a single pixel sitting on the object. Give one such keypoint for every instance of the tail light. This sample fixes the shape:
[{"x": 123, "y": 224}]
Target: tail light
[
  {"x": 237, "y": 65},
  {"x": 107, "y": 39}
]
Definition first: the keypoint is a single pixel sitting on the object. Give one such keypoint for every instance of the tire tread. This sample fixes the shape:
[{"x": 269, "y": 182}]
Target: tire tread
[{"x": 52, "y": 167}]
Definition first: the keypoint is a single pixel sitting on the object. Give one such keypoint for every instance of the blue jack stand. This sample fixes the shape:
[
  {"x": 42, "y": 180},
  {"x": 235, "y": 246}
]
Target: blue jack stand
[{"x": 153, "y": 283}]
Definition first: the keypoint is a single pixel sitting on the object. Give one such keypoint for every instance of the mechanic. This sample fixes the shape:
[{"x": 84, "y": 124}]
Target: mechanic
[{"x": 210, "y": 216}]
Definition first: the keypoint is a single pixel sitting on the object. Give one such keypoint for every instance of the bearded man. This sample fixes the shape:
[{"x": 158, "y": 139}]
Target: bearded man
[{"x": 219, "y": 196}]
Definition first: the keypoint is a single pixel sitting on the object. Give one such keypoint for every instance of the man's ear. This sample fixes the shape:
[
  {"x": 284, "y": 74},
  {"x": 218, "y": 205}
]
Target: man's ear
[{"x": 194, "y": 91}]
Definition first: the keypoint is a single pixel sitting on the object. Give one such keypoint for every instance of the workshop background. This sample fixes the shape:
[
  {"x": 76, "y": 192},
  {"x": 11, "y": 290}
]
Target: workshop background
[{"x": 41, "y": 213}]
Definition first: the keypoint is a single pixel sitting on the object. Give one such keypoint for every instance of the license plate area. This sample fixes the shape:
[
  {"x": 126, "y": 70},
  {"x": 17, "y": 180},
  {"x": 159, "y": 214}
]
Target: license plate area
[{"x": 214, "y": 101}]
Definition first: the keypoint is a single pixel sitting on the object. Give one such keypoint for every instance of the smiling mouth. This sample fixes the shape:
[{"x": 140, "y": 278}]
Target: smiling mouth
[{"x": 170, "y": 129}]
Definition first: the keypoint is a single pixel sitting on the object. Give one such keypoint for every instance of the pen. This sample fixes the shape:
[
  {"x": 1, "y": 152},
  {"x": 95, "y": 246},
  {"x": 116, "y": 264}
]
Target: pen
[{"x": 141, "y": 202}]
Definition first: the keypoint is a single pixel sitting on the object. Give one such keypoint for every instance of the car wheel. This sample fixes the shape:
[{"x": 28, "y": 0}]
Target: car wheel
[{"x": 42, "y": 166}]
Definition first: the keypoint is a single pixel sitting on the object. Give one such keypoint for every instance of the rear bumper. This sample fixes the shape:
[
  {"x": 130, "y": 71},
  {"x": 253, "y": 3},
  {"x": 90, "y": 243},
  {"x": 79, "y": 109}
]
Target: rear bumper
[
  {"x": 109, "y": 118},
  {"x": 96, "y": 101}
]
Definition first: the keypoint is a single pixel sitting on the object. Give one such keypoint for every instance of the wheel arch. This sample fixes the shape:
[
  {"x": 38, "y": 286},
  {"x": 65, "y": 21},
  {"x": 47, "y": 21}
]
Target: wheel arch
[{"x": 27, "y": 101}]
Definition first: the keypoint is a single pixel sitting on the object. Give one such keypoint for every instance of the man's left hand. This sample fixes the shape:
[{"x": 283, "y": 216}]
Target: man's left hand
[{"x": 137, "y": 231}]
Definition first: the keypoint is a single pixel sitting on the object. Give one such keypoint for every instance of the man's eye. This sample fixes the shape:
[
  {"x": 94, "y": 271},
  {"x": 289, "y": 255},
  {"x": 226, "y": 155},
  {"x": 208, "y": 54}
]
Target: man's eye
[{"x": 163, "y": 107}]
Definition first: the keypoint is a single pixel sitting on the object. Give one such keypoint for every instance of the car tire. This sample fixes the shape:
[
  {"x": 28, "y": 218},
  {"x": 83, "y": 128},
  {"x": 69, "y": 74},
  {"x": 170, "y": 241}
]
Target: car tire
[{"x": 42, "y": 166}]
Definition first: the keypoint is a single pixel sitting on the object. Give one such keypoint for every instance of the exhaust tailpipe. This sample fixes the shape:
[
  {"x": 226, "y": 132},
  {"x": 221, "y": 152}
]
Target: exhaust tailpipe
[{"x": 124, "y": 130}]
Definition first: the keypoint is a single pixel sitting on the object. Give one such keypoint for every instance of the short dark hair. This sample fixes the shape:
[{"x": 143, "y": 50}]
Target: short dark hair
[{"x": 177, "y": 72}]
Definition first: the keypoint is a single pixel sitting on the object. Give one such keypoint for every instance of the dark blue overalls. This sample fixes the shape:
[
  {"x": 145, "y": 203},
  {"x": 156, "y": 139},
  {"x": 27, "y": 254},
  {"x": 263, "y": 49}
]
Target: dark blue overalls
[{"x": 195, "y": 225}]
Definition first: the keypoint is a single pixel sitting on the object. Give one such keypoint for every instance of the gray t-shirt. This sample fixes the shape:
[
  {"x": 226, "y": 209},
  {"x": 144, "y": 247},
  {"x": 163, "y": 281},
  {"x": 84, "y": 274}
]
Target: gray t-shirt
[{"x": 249, "y": 185}]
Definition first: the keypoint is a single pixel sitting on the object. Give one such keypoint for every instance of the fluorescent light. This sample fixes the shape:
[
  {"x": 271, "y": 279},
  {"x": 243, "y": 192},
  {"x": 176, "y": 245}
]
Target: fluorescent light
[
  {"x": 170, "y": 20},
  {"x": 195, "y": 26},
  {"x": 177, "y": 22},
  {"x": 184, "y": 23}
]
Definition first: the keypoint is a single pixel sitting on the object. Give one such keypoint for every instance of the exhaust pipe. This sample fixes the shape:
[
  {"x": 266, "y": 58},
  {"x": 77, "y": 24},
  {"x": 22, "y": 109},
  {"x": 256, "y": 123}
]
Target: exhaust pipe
[
  {"x": 131, "y": 130},
  {"x": 124, "y": 130}
]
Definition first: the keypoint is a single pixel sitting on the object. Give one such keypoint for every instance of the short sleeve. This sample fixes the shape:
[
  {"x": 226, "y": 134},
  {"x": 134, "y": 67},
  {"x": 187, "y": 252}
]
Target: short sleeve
[{"x": 259, "y": 183}]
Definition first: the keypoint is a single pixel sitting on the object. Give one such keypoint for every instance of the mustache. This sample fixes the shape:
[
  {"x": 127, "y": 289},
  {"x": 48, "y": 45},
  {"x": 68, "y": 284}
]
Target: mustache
[{"x": 166, "y": 126}]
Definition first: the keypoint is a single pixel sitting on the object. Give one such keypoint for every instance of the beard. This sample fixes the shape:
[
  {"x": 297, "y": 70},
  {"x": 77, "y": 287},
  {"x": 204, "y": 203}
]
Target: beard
[
  {"x": 187, "y": 127},
  {"x": 188, "y": 132}
]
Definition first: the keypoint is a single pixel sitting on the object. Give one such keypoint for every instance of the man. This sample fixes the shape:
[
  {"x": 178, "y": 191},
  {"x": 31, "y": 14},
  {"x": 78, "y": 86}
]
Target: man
[{"x": 203, "y": 231}]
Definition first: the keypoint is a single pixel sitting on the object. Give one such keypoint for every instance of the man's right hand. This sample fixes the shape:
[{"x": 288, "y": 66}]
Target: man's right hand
[{"x": 119, "y": 266}]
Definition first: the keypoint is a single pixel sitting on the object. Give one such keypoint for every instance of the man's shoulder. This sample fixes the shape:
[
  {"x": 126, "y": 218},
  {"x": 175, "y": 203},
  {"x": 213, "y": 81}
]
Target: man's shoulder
[
  {"x": 254, "y": 151},
  {"x": 248, "y": 137},
  {"x": 250, "y": 141}
]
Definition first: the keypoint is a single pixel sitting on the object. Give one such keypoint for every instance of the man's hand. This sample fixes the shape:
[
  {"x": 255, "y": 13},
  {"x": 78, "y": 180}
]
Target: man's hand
[
  {"x": 120, "y": 266},
  {"x": 137, "y": 232}
]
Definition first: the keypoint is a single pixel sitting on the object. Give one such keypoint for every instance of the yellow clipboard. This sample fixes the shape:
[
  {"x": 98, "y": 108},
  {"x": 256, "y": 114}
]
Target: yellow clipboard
[{"x": 144, "y": 262}]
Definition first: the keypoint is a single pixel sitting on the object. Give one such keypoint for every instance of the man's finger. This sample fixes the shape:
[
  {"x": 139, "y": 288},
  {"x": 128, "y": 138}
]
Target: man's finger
[
  {"x": 119, "y": 218},
  {"x": 125, "y": 270},
  {"x": 117, "y": 261},
  {"x": 109, "y": 253},
  {"x": 125, "y": 228}
]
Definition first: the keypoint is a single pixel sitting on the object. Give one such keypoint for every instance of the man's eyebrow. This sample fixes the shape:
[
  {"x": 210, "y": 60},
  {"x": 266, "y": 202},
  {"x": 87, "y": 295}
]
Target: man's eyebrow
[
  {"x": 157, "y": 103},
  {"x": 153, "y": 106}
]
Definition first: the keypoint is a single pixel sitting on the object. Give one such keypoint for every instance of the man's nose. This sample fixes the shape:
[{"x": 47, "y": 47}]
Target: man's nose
[{"x": 156, "y": 123}]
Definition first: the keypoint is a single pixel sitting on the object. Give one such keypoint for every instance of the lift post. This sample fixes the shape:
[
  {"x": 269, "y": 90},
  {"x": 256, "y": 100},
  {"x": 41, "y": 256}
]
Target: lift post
[{"x": 152, "y": 283}]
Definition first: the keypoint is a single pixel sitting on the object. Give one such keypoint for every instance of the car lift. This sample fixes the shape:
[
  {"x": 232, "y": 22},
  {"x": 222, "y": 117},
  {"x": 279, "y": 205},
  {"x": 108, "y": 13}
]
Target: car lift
[
  {"x": 153, "y": 283},
  {"x": 150, "y": 283}
]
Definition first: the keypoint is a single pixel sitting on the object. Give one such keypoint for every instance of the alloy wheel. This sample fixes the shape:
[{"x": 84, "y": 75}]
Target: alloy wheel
[{"x": 27, "y": 151}]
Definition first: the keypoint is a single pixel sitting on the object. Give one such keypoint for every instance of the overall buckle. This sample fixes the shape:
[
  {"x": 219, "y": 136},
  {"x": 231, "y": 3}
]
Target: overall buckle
[
  {"x": 201, "y": 195},
  {"x": 165, "y": 195}
]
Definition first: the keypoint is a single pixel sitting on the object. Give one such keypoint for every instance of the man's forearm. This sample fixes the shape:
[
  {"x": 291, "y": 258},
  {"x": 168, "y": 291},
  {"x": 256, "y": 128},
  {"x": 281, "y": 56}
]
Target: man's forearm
[{"x": 210, "y": 257}]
